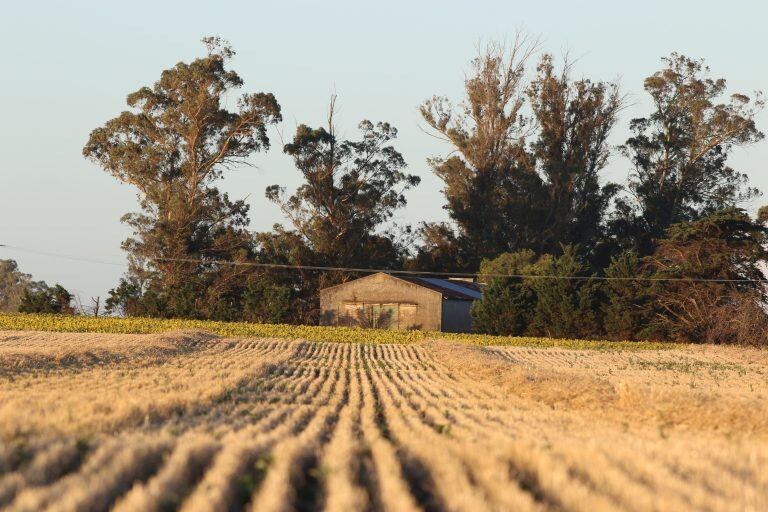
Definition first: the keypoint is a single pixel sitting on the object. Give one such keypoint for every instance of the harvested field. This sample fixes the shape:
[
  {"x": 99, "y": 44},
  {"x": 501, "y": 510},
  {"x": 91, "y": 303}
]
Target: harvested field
[{"x": 188, "y": 421}]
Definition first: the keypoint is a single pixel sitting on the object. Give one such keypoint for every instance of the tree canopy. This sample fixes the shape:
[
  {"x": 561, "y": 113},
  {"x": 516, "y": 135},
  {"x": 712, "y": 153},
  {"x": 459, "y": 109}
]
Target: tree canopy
[
  {"x": 340, "y": 213},
  {"x": 351, "y": 189},
  {"x": 679, "y": 152},
  {"x": 174, "y": 144},
  {"x": 525, "y": 173}
]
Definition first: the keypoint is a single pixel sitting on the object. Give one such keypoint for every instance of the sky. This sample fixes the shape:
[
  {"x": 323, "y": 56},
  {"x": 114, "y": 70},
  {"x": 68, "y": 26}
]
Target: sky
[{"x": 67, "y": 68}]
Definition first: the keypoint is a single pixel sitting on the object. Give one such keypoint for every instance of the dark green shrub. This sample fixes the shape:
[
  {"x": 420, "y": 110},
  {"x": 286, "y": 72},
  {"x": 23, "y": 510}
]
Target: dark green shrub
[
  {"x": 508, "y": 302},
  {"x": 56, "y": 300},
  {"x": 631, "y": 305},
  {"x": 565, "y": 308}
]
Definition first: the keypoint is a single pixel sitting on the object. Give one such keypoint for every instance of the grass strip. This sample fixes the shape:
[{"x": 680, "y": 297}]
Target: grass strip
[{"x": 138, "y": 325}]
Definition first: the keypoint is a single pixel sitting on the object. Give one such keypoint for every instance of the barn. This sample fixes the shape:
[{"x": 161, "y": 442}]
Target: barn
[{"x": 397, "y": 302}]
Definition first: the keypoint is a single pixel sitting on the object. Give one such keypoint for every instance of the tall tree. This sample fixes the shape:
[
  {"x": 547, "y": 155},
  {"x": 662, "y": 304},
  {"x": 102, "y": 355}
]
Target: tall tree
[
  {"x": 529, "y": 155},
  {"x": 573, "y": 119},
  {"x": 491, "y": 187},
  {"x": 680, "y": 151},
  {"x": 174, "y": 144},
  {"x": 350, "y": 192}
]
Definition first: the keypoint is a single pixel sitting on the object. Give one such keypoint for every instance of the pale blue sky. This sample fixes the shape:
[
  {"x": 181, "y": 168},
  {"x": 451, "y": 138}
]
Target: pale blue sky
[{"x": 68, "y": 66}]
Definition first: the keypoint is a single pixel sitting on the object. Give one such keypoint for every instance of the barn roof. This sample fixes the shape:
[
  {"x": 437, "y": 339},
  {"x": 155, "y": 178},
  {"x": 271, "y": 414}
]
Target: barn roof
[{"x": 451, "y": 289}]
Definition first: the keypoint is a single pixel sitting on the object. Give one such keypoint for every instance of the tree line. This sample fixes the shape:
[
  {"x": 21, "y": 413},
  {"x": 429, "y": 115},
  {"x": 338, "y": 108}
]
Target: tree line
[{"x": 523, "y": 187}]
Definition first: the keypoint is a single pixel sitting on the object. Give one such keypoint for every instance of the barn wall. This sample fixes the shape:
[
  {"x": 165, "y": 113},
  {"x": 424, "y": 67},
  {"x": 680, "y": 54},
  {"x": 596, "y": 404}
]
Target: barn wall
[
  {"x": 456, "y": 317},
  {"x": 382, "y": 288}
]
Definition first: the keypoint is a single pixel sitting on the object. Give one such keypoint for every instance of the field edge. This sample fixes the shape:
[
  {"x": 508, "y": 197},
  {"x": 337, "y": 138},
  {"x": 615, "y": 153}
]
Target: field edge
[{"x": 139, "y": 325}]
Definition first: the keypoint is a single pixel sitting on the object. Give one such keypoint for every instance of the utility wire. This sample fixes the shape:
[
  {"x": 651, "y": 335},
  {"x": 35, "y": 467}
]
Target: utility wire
[
  {"x": 389, "y": 271},
  {"x": 63, "y": 256}
]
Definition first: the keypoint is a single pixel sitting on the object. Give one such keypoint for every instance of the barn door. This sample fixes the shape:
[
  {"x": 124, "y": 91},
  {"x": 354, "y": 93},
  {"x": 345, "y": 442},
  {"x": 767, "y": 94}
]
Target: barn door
[
  {"x": 353, "y": 312},
  {"x": 407, "y": 317}
]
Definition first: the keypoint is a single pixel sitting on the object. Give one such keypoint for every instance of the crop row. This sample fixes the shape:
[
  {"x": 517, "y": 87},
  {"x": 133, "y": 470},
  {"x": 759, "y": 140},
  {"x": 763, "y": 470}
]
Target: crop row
[{"x": 136, "y": 325}]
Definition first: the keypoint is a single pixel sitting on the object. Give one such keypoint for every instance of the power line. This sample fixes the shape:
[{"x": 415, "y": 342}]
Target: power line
[
  {"x": 426, "y": 273},
  {"x": 63, "y": 256}
]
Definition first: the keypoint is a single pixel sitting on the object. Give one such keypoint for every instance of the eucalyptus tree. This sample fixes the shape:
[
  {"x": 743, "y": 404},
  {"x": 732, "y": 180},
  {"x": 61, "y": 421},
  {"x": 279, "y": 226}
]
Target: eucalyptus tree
[
  {"x": 680, "y": 151},
  {"x": 341, "y": 214},
  {"x": 527, "y": 154},
  {"x": 490, "y": 185},
  {"x": 574, "y": 118},
  {"x": 174, "y": 144}
]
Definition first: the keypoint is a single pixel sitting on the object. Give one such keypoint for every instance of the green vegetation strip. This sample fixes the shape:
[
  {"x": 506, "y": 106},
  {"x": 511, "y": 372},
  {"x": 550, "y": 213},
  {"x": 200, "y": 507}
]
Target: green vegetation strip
[{"x": 60, "y": 323}]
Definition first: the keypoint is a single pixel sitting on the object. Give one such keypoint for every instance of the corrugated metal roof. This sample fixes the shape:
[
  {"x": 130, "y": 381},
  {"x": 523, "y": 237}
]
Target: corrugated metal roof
[{"x": 462, "y": 290}]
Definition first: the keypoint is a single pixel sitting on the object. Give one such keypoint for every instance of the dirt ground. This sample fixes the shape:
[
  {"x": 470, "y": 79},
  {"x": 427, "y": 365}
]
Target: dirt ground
[{"x": 187, "y": 421}]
